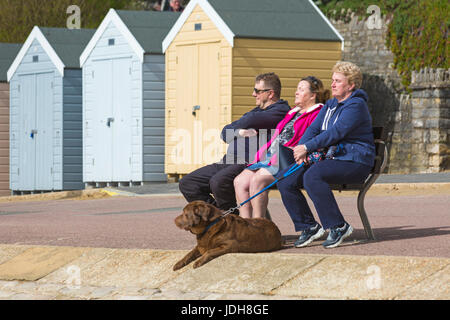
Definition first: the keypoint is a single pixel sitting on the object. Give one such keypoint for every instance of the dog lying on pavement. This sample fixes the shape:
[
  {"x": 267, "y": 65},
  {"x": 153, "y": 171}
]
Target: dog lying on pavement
[{"x": 218, "y": 234}]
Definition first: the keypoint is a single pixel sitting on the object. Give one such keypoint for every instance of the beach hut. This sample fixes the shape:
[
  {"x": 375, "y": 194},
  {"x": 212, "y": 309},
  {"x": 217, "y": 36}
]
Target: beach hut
[
  {"x": 46, "y": 105},
  {"x": 8, "y": 51},
  {"x": 123, "y": 102},
  {"x": 213, "y": 53}
]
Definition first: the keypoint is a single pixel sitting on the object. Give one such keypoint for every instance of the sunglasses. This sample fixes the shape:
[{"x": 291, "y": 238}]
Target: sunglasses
[{"x": 258, "y": 91}]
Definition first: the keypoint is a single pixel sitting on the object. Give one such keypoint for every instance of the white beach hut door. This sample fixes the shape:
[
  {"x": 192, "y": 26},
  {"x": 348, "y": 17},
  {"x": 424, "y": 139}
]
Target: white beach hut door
[
  {"x": 112, "y": 141},
  {"x": 121, "y": 125},
  {"x": 44, "y": 136},
  {"x": 27, "y": 145},
  {"x": 102, "y": 135},
  {"x": 36, "y": 138}
]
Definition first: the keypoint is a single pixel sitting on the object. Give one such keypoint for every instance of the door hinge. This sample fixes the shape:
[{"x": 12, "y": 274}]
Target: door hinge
[
  {"x": 177, "y": 60},
  {"x": 18, "y": 87},
  {"x": 18, "y": 171},
  {"x": 93, "y": 161},
  {"x": 92, "y": 73}
]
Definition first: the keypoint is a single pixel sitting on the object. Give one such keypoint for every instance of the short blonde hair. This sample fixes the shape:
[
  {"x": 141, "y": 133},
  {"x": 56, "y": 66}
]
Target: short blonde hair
[{"x": 351, "y": 71}]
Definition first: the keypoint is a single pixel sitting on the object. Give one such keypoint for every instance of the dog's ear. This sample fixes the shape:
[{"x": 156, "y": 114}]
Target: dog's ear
[
  {"x": 193, "y": 217},
  {"x": 209, "y": 212},
  {"x": 205, "y": 211}
]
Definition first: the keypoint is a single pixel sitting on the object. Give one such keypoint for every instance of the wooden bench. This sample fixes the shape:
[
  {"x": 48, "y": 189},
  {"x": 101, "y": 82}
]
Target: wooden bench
[{"x": 380, "y": 164}]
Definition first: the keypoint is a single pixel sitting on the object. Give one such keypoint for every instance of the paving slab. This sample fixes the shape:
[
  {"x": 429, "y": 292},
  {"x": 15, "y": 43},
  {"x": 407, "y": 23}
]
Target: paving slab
[
  {"x": 77, "y": 267},
  {"x": 362, "y": 277},
  {"x": 243, "y": 273},
  {"x": 129, "y": 268},
  {"x": 9, "y": 251},
  {"x": 435, "y": 287},
  {"x": 35, "y": 263}
]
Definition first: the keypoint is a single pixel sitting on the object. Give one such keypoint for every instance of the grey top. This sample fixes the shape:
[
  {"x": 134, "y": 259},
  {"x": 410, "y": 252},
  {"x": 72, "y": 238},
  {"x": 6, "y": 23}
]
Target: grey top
[
  {"x": 68, "y": 43},
  {"x": 8, "y": 52},
  {"x": 274, "y": 19},
  {"x": 149, "y": 27},
  {"x": 285, "y": 135}
]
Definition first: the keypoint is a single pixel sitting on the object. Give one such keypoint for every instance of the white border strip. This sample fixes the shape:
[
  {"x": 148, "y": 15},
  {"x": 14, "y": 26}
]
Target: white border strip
[
  {"x": 210, "y": 12},
  {"x": 329, "y": 23},
  {"x": 37, "y": 34},
  {"x": 113, "y": 17}
]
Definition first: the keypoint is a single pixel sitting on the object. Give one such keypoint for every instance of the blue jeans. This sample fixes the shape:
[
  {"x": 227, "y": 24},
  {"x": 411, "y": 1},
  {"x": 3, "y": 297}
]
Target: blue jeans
[{"x": 315, "y": 180}]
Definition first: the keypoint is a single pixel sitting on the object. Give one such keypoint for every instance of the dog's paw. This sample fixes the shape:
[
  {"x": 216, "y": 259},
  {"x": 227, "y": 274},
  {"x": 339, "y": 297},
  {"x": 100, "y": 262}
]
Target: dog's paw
[
  {"x": 199, "y": 263},
  {"x": 178, "y": 266}
]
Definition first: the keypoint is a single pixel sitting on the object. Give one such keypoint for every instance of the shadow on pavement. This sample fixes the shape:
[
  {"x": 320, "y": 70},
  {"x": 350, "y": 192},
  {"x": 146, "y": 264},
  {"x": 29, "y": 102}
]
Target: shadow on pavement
[{"x": 382, "y": 234}]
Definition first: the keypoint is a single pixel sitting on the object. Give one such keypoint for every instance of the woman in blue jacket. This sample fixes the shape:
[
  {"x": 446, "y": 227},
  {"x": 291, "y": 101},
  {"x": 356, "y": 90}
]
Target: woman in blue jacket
[{"x": 344, "y": 121}]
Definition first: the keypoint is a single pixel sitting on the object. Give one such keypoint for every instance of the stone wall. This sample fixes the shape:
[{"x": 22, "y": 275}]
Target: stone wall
[
  {"x": 430, "y": 120},
  {"x": 416, "y": 123}
]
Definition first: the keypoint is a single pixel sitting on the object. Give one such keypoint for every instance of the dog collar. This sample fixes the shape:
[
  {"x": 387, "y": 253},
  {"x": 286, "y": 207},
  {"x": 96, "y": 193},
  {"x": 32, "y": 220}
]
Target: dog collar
[{"x": 209, "y": 226}]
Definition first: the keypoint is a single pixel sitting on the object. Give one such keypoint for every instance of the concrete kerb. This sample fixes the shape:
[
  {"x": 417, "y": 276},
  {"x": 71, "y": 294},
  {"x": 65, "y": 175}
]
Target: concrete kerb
[
  {"x": 382, "y": 189},
  {"x": 100, "y": 273},
  {"x": 62, "y": 195}
]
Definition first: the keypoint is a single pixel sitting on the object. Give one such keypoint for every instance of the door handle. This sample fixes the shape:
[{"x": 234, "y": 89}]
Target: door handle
[
  {"x": 194, "y": 110},
  {"x": 108, "y": 121},
  {"x": 33, "y": 132}
]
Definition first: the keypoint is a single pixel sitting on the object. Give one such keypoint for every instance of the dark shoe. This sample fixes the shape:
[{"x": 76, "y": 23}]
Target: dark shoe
[
  {"x": 309, "y": 235},
  {"x": 337, "y": 235}
]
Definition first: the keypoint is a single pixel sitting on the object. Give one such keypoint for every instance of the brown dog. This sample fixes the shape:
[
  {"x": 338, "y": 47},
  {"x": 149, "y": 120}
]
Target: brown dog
[{"x": 217, "y": 234}]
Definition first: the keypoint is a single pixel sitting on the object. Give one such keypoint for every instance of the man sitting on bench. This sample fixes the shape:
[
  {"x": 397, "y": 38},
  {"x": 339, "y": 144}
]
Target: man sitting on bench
[{"x": 345, "y": 121}]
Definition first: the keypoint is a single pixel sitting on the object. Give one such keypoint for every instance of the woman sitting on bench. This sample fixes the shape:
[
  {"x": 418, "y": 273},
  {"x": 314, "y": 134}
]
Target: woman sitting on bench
[
  {"x": 309, "y": 99},
  {"x": 345, "y": 121}
]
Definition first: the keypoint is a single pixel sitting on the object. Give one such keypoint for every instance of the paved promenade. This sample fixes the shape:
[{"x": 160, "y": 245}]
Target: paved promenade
[{"x": 122, "y": 244}]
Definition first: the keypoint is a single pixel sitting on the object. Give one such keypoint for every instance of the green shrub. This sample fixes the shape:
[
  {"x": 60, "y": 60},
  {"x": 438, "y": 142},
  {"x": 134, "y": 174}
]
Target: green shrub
[
  {"x": 18, "y": 17},
  {"x": 417, "y": 33}
]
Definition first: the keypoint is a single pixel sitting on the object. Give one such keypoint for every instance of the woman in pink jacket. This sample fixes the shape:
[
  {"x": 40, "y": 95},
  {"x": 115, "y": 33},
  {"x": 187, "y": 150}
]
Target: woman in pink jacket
[{"x": 309, "y": 99}]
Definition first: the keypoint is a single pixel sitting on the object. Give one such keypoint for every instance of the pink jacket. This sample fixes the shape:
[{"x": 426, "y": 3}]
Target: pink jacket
[{"x": 300, "y": 126}]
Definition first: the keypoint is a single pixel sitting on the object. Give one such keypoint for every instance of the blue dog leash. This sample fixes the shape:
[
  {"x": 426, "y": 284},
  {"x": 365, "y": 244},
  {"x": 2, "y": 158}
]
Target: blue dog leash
[
  {"x": 291, "y": 170},
  {"x": 332, "y": 151}
]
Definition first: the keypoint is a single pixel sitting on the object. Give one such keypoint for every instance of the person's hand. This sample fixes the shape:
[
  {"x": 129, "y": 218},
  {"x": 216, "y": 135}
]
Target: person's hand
[
  {"x": 248, "y": 133},
  {"x": 299, "y": 153},
  {"x": 300, "y": 160}
]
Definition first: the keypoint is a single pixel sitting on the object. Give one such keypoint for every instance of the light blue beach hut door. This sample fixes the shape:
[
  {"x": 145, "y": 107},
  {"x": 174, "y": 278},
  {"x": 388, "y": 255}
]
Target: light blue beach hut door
[
  {"x": 36, "y": 132},
  {"x": 112, "y": 118}
]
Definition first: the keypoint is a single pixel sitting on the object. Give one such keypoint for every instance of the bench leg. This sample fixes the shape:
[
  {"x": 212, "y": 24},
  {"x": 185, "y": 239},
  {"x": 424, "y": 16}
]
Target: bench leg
[{"x": 363, "y": 215}]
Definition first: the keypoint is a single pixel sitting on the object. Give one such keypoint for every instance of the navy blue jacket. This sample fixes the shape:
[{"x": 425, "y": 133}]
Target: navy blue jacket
[
  {"x": 347, "y": 123},
  {"x": 242, "y": 150}
]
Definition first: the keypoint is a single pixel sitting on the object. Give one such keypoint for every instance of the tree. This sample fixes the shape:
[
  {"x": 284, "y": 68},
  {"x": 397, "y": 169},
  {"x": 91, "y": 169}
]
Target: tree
[{"x": 18, "y": 17}]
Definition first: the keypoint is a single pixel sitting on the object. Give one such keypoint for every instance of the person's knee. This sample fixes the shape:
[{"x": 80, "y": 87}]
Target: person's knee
[
  {"x": 257, "y": 181},
  {"x": 316, "y": 181},
  {"x": 311, "y": 178},
  {"x": 185, "y": 183},
  {"x": 238, "y": 182},
  {"x": 286, "y": 184},
  {"x": 215, "y": 184}
]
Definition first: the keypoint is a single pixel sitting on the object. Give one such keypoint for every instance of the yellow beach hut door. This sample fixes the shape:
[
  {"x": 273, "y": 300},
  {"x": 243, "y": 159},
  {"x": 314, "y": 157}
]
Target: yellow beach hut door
[{"x": 197, "y": 106}]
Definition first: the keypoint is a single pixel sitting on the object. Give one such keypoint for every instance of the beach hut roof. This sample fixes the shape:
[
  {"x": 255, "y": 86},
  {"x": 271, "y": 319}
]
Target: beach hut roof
[
  {"x": 8, "y": 51},
  {"x": 144, "y": 30},
  {"x": 62, "y": 45},
  {"x": 267, "y": 19}
]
